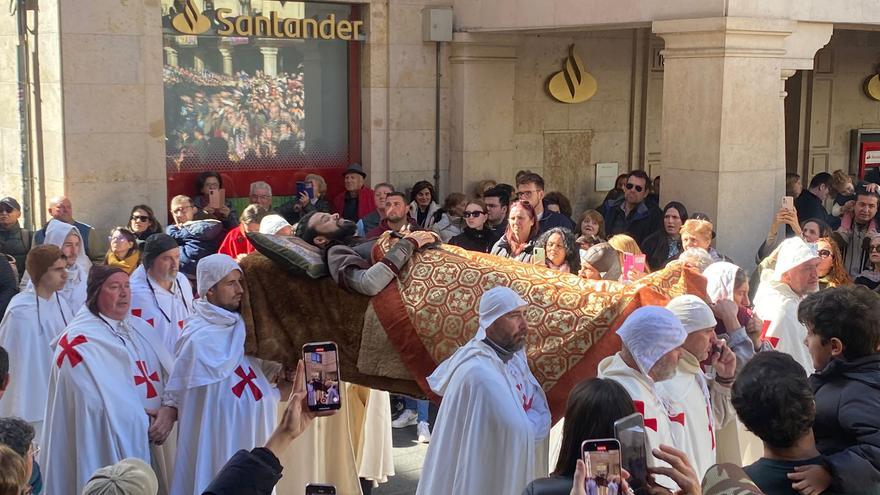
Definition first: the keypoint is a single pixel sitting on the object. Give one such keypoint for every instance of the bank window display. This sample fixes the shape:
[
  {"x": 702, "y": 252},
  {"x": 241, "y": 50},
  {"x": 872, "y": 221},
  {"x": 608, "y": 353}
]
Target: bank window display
[{"x": 257, "y": 85}]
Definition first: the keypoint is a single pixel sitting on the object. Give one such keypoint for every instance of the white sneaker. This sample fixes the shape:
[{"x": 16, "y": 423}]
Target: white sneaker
[
  {"x": 407, "y": 418},
  {"x": 424, "y": 432}
]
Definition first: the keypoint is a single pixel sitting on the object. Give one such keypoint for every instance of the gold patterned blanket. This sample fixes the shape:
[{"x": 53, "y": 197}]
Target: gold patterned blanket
[{"x": 432, "y": 309}]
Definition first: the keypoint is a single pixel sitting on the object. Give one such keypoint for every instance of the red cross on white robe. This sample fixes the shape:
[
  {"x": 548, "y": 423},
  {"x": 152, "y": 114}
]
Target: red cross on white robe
[
  {"x": 640, "y": 408},
  {"x": 68, "y": 350},
  {"x": 138, "y": 312},
  {"x": 774, "y": 341},
  {"x": 678, "y": 418},
  {"x": 526, "y": 401},
  {"x": 711, "y": 430},
  {"x": 247, "y": 379},
  {"x": 145, "y": 377},
  {"x": 180, "y": 324}
]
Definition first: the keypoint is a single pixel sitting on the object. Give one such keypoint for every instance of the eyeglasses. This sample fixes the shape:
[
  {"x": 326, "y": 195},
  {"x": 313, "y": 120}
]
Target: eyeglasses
[
  {"x": 6, "y": 209},
  {"x": 525, "y": 194},
  {"x": 140, "y": 218},
  {"x": 637, "y": 187},
  {"x": 178, "y": 211},
  {"x": 117, "y": 238},
  {"x": 475, "y": 214},
  {"x": 261, "y": 196},
  {"x": 824, "y": 253},
  {"x": 875, "y": 249}
]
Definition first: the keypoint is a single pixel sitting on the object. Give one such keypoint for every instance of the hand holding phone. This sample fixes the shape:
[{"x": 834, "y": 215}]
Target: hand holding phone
[
  {"x": 602, "y": 459},
  {"x": 322, "y": 376},
  {"x": 539, "y": 256},
  {"x": 630, "y": 433},
  {"x": 788, "y": 202}
]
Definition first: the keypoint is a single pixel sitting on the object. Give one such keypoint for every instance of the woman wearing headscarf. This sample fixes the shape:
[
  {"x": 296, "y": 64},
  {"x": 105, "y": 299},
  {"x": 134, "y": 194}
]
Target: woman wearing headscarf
[
  {"x": 664, "y": 245},
  {"x": 68, "y": 238}
]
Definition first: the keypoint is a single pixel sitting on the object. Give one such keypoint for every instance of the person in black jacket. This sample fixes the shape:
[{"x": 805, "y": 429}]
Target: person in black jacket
[
  {"x": 663, "y": 246},
  {"x": 810, "y": 203},
  {"x": 258, "y": 471},
  {"x": 476, "y": 236},
  {"x": 843, "y": 336},
  {"x": 632, "y": 215},
  {"x": 8, "y": 282}
]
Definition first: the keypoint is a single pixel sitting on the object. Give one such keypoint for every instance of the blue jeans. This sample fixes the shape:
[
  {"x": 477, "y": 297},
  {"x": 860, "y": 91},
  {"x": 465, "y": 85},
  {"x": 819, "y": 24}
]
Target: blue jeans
[{"x": 421, "y": 406}]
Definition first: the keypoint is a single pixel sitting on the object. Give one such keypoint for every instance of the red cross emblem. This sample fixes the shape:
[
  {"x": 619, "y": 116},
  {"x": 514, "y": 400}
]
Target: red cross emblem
[
  {"x": 180, "y": 324},
  {"x": 711, "y": 432},
  {"x": 247, "y": 380},
  {"x": 137, "y": 312},
  {"x": 151, "y": 322},
  {"x": 145, "y": 377},
  {"x": 640, "y": 408},
  {"x": 774, "y": 341},
  {"x": 68, "y": 351},
  {"x": 526, "y": 402},
  {"x": 678, "y": 418}
]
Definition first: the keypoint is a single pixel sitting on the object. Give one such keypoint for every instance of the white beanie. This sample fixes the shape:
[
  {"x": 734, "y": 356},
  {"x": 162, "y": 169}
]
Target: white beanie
[
  {"x": 270, "y": 224},
  {"x": 793, "y": 251},
  {"x": 650, "y": 333},
  {"x": 693, "y": 313},
  {"x": 211, "y": 269},
  {"x": 495, "y": 303},
  {"x": 127, "y": 477}
]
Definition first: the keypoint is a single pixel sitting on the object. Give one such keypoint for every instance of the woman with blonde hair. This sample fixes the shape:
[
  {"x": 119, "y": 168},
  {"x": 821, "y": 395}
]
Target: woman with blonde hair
[
  {"x": 697, "y": 233},
  {"x": 831, "y": 271},
  {"x": 15, "y": 471},
  {"x": 625, "y": 244}
]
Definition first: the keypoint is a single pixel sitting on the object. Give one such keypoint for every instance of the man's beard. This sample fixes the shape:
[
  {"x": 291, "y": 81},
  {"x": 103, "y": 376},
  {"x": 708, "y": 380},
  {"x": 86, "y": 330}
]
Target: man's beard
[
  {"x": 344, "y": 234},
  {"x": 395, "y": 219}
]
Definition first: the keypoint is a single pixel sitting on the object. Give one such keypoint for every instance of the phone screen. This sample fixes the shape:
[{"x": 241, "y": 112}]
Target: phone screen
[
  {"x": 539, "y": 256},
  {"x": 602, "y": 458},
  {"x": 788, "y": 202},
  {"x": 630, "y": 432},
  {"x": 316, "y": 489},
  {"x": 322, "y": 376}
]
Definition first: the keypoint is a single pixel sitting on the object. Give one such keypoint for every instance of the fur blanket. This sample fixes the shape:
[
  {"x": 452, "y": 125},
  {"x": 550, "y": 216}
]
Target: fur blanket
[{"x": 395, "y": 340}]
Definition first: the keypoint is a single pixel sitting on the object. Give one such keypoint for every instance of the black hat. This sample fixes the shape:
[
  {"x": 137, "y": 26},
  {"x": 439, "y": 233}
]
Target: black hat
[
  {"x": 11, "y": 202},
  {"x": 356, "y": 168},
  {"x": 155, "y": 245}
]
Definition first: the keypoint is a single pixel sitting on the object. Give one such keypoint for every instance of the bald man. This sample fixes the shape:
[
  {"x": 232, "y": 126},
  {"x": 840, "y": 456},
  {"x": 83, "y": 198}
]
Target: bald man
[{"x": 60, "y": 208}]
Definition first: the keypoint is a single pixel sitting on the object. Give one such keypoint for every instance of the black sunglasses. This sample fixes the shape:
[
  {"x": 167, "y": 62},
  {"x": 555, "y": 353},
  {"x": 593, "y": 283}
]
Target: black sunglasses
[
  {"x": 475, "y": 214},
  {"x": 636, "y": 186},
  {"x": 140, "y": 218}
]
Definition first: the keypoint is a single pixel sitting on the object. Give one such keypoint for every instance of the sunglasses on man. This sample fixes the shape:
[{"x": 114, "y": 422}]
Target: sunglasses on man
[{"x": 638, "y": 188}]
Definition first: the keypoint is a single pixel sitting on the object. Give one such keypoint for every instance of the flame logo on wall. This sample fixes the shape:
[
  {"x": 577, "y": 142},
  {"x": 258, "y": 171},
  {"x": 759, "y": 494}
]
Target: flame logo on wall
[
  {"x": 573, "y": 84},
  {"x": 872, "y": 87},
  {"x": 191, "y": 21}
]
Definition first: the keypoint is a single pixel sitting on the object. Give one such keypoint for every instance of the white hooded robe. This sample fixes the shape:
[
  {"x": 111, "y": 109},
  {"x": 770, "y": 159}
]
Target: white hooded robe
[
  {"x": 104, "y": 374},
  {"x": 225, "y": 401},
  {"x": 777, "y": 303},
  {"x": 28, "y": 328},
  {"x": 74, "y": 291},
  {"x": 490, "y": 429},
  {"x": 163, "y": 310}
]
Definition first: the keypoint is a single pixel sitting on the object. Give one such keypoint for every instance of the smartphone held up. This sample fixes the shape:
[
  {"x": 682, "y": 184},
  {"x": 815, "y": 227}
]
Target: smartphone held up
[
  {"x": 317, "y": 489},
  {"x": 322, "y": 376},
  {"x": 630, "y": 433},
  {"x": 602, "y": 458}
]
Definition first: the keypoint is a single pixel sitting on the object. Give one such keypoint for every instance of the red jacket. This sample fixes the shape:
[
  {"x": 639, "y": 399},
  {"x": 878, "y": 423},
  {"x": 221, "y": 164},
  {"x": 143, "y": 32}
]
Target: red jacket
[
  {"x": 235, "y": 243},
  {"x": 366, "y": 202}
]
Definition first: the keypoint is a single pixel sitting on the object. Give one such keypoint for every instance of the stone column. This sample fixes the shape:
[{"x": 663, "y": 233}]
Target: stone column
[
  {"x": 312, "y": 84},
  {"x": 226, "y": 53},
  {"x": 481, "y": 141},
  {"x": 723, "y": 132},
  {"x": 270, "y": 60},
  {"x": 198, "y": 63},
  {"x": 170, "y": 56}
]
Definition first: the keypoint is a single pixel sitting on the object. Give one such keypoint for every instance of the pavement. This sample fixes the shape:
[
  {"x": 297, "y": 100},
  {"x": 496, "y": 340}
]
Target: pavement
[{"x": 409, "y": 456}]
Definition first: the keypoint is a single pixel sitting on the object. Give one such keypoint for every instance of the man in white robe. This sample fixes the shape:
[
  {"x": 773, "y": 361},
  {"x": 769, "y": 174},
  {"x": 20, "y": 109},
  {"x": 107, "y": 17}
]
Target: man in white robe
[
  {"x": 105, "y": 390},
  {"x": 160, "y": 294},
  {"x": 651, "y": 337},
  {"x": 778, "y": 297},
  {"x": 704, "y": 401},
  {"x": 225, "y": 399},
  {"x": 31, "y": 323},
  {"x": 68, "y": 238},
  {"x": 494, "y": 416}
]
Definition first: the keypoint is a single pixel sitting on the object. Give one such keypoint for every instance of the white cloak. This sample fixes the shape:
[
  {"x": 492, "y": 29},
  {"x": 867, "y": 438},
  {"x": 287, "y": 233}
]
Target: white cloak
[
  {"x": 663, "y": 424},
  {"x": 26, "y": 332},
  {"x": 706, "y": 407},
  {"x": 104, "y": 374},
  {"x": 491, "y": 425},
  {"x": 777, "y": 303},
  {"x": 225, "y": 401},
  {"x": 163, "y": 310}
]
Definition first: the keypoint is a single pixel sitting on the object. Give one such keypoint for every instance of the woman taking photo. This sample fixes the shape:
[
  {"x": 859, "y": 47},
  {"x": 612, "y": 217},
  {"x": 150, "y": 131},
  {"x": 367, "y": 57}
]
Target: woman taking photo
[
  {"x": 517, "y": 242},
  {"x": 663, "y": 246},
  {"x": 475, "y": 236},
  {"x": 560, "y": 250},
  {"x": 123, "y": 251},
  {"x": 142, "y": 222},
  {"x": 207, "y": 182}
]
